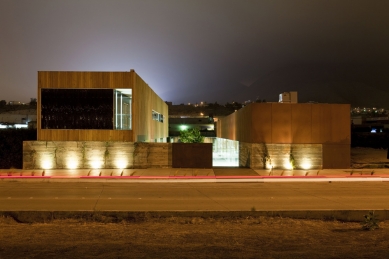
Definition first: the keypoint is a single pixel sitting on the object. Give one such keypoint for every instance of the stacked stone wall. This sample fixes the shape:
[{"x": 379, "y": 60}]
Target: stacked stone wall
[
  {"x": 280, "y": 156},
  {"x": 94, "y": 154}
]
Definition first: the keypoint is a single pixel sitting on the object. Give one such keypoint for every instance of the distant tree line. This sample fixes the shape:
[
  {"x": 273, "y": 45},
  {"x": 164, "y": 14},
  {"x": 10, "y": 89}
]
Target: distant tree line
[
  {"x": 367, "y": 139},
  {"x": 17, "y": 106},
  {"x": 11, "y": 146}
]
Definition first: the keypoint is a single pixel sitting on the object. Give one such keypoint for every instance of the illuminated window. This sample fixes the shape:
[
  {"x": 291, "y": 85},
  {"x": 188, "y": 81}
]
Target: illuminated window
[
  {"x": 157, "y": 116},
  {"x": 122, "y": 110}
]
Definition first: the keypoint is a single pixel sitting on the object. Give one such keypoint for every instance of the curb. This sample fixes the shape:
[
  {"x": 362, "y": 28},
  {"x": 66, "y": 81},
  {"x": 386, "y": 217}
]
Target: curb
[{"x": 142, "y": 216}]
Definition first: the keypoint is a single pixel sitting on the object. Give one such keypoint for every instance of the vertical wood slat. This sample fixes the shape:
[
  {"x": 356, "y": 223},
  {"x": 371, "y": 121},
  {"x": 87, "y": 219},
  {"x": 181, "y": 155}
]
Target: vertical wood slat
[{"x": 144, "y": 100}]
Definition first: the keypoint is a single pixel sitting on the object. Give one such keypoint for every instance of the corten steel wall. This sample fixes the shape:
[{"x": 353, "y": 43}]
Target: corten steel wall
[
  {"x": 143, "y": 101},
  {"x": 192, "y": 155},
  {"x": 300, "y": 123}
]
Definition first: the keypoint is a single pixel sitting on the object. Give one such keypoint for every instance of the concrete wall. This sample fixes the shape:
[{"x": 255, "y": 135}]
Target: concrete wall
[{"x": 94, "y": 154}]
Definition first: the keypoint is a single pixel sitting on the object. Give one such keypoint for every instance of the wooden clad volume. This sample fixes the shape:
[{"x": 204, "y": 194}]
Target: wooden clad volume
[{"x": 144, "y": 100}]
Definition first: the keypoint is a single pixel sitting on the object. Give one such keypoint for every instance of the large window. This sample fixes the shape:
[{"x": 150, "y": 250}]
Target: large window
[
  {"x": 86, "y": 109},
  {"x": 122, "y": 117}
]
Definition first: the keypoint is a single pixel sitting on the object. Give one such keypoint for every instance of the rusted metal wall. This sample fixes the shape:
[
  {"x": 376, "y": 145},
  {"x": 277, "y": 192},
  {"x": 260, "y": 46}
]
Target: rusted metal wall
[
  {"x": 297, "y": 123},
  {"x": 192, "y": 155}
]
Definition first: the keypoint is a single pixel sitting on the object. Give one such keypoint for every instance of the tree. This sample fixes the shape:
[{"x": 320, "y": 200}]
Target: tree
[
  {"x": 191, "y": 136},
  {"x": 3, "y": 103},
  {"x": 33, "y": 102}
]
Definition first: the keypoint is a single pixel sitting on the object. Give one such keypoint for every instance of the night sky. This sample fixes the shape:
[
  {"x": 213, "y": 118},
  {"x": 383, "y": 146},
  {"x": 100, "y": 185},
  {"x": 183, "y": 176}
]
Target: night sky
[{"x": 204, "y": 50}]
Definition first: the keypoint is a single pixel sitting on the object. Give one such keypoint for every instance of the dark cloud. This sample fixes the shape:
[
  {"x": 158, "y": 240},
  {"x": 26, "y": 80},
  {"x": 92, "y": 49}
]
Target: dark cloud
[{"x": 204, "y": 50}]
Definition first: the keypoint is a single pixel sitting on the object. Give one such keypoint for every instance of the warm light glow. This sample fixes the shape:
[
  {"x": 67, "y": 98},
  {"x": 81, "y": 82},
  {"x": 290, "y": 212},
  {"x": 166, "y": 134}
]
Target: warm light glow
[
  {"x": 47, "y": 163},
  {"x": 306, "y": 164},
  {"x": 96, "y": 164},
  {"x": 121, "y": 163},
  {"x": 269, "y": 165},
  {"x": 72, "y": 161},
  {"x": 72, "y": 164},
  {"x": 288, "y": 165}
]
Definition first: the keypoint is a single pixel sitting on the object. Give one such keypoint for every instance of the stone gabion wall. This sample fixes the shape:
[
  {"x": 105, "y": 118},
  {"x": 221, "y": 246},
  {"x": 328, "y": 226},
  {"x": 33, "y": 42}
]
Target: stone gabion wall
[
  {"x": 253, "y": 155},
  {"x": 94, "y": 154},
  {"x": 148, "y": 155}
]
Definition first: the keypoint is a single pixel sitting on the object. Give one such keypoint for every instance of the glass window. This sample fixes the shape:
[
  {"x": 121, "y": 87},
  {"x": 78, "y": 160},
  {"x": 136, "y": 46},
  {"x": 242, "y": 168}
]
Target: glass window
[
  {"x": 86, "y": 109},
  {"x": 76, "y": 108},
  {"x": 156, "y": 116},
  {"x": 122, "y": 111}
]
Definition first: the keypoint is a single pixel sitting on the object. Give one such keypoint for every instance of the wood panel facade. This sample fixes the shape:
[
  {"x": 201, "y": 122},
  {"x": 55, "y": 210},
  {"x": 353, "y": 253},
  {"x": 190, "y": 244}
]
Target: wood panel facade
[{"x": 144, "y": 100}]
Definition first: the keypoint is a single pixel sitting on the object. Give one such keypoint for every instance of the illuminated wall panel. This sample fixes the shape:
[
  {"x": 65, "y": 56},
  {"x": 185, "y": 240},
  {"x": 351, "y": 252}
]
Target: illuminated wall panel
[
  {"x": 95, "y": 155},
  {"x": 281, "y": 123},
  {"x": 301, "y": 123},
  {"x": 261, "y": 130}
]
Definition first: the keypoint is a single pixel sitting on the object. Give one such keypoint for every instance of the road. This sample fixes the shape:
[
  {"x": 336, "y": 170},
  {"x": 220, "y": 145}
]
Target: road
[{"x": 103, "y": 196}]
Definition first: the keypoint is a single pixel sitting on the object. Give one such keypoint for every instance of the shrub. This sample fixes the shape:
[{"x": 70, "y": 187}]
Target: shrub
[
  {"x": 191, "y": 136},
  {"x": 370, "y": 222}
]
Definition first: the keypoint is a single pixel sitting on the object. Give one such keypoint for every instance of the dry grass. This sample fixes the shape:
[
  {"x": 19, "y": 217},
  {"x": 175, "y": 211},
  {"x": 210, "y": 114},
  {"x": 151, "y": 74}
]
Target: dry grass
[{"x": 193, "y": 238}]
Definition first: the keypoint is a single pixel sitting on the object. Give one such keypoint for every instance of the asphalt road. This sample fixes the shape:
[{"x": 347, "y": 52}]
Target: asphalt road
[{"x": 95, "y": 196}]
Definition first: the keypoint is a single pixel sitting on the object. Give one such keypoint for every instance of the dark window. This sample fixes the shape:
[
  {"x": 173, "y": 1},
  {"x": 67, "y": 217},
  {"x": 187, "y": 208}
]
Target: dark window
[{"x": 77, "y": 108}]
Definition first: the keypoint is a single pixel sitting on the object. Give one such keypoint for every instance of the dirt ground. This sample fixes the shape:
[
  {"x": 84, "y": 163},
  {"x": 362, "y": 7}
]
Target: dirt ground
[
  {"x": 262, "y": 237},
  {"x": 194, "y": 238},
  {"x": 369, "y": 158}
]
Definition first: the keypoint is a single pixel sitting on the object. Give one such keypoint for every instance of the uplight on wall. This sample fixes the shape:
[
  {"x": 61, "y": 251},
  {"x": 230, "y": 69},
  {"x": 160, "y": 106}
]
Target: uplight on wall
[
  {"x": 269, "y": 165},
  {"x": 96, "y": 163},
  {"x": 121, "y": 163},
  {"x": 306, "y": 164},
  {"x": 72, "y": 161},
  {"x": 287, "y": 164},
  {"x": 47, "y": 162}
]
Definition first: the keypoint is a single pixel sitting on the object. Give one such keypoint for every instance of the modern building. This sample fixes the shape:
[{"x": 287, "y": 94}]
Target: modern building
[
  {"x": 99, "y": 106},
  {"x": 97, "y": 116},
  {"x": 290, "y": 135}
]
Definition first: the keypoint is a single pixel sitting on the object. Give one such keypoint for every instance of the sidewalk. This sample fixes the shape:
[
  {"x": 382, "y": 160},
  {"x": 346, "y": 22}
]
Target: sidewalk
[{"x": 216, "y": 173}]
